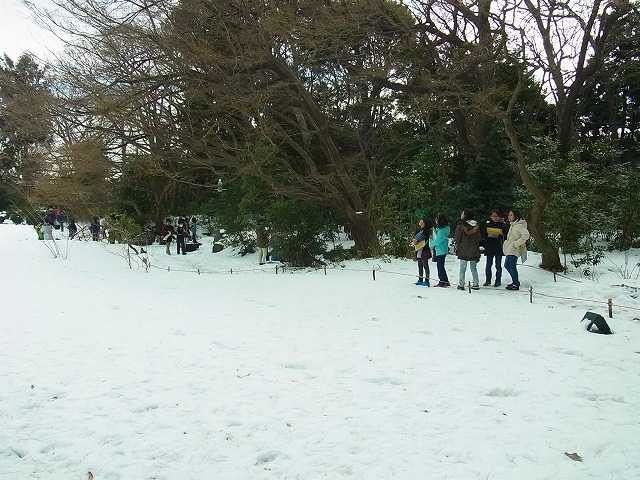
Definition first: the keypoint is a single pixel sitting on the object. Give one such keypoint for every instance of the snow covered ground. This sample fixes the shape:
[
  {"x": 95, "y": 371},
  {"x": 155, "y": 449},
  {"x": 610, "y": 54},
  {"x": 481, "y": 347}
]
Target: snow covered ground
[{"x": 113, "y": 373}]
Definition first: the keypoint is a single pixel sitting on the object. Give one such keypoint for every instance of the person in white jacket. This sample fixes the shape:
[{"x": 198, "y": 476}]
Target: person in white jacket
[{"x": 516, "y": 240}]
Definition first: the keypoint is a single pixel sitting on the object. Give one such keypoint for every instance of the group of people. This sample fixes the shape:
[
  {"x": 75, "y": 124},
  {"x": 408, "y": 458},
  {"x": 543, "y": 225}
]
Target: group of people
[
  {"x": 499, "y": 239},
  {"x": 55, "y": 218},
  {"x": 180, "y": 232},
  {"x": 431, "y": 243}
]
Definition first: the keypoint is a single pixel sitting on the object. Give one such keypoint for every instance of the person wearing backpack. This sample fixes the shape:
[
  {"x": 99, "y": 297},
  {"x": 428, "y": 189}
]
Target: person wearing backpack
[
  {"x": 440, "y": 243},
  {"x": 493, "y": 233},
  {"x": 467, "y": 236}
]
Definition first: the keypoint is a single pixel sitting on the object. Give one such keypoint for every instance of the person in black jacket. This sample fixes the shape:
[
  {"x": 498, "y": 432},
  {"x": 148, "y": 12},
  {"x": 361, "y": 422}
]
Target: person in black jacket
[
  {"x": 182, "y": 231},
  {"x": 420, "y": 242},
  {"x": 73, "y": 227},
  {"x": 49, "y": 216},
  {"x": 94, "y": 228},
  {"x": 493, "y": 233}
]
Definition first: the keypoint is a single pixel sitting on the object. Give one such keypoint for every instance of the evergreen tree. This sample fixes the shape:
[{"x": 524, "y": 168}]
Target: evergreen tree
[{"x": 25, "y": 126}]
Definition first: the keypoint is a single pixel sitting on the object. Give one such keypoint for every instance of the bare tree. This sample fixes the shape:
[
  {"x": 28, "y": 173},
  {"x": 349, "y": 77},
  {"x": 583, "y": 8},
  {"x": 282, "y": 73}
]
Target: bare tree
[
  {"x": 274, "y": 91},
  {"x": 564, "y": 44},
  {"x": 305, "y": 94}
]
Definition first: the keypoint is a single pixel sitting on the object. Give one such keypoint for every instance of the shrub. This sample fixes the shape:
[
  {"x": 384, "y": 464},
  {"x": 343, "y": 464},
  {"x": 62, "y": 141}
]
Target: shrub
[
  {"x": 299, "y": 230},
  {"x": 125, "y": 230}
]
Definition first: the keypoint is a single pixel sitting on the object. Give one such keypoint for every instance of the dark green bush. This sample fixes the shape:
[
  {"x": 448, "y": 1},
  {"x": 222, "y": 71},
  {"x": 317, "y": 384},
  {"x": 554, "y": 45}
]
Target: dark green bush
[{"x": 299, "y": 231}]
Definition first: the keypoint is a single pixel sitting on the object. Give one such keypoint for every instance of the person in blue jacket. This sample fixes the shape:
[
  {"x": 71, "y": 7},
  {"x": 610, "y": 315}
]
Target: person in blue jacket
[{"x": 440, "y": 243}]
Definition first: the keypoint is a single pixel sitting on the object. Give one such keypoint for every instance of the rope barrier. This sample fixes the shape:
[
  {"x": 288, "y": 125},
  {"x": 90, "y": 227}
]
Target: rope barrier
[
  {"x": 557, "y": 274},
  {"x": 627, "y": 307},
  {"x": 376, "y": 268},
  {"x": 567, "y": 298}
]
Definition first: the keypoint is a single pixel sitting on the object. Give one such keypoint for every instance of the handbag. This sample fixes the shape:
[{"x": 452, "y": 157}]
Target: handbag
[{"x": 523, "y": 254}]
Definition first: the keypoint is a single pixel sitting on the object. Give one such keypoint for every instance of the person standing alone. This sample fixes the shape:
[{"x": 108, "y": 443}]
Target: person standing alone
[{"x": 262, "y": 241}]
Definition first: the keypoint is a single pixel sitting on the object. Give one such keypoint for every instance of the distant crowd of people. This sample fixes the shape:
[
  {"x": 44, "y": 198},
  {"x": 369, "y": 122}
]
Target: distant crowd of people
[
  {"x": 497, "y": 237},
  {"x": 55, "y": 219},
  {"x": 179, "y": 233}
]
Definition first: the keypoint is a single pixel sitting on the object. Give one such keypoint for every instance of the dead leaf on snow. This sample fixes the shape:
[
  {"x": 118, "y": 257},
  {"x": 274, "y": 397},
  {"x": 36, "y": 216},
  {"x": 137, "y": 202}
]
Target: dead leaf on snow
[
  {"x": 90, "y": 476},
  {"x": 573, "y": 456}
]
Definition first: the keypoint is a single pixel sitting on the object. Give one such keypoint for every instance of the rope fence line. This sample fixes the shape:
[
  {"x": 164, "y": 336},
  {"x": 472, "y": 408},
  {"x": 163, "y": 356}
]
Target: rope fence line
[
  {"x": 555, "y": 274},
  {"x": 568, "y": 298},
  {"x": 231, "y": 271},
  {"x": 200, "y": 271},
  {"x": 146, "y": 264},
  {"x": 377, "y": 269},
  {"x": 609, "y": 301}
]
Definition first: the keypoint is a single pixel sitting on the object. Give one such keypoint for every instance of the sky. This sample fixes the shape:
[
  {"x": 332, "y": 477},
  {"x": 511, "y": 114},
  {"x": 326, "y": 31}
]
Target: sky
[
  {"x": 19, "y": 33},
  {"x": 210, "y": 366}
]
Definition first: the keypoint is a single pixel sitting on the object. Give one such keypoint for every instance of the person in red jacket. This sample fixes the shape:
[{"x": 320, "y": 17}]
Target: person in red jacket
[{"x": 167, "y": 234}]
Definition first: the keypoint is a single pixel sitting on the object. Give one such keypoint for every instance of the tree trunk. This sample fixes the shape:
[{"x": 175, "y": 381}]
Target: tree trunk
[
  {"x": 363, "y": 233},
  {"x": 550, "y": 254}
]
